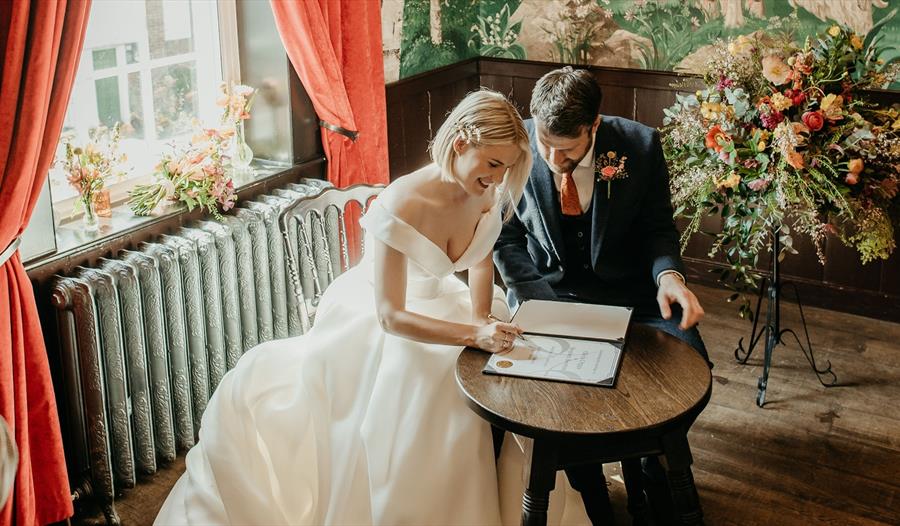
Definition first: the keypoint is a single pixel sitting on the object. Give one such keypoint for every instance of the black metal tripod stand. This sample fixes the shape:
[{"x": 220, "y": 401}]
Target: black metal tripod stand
[{"x": 773, "y": 331}]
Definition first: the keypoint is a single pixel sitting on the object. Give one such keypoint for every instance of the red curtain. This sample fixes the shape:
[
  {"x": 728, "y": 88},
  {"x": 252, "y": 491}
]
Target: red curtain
[
  {"x": 335, "y": 47},
  {"x": 42, "y": 42}
]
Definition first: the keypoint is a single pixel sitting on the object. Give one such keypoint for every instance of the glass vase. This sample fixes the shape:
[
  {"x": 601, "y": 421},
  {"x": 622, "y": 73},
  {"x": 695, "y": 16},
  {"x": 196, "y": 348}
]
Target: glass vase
[
  {"x": 89, "y": 219},
  {"x": 240, "y": 153}
]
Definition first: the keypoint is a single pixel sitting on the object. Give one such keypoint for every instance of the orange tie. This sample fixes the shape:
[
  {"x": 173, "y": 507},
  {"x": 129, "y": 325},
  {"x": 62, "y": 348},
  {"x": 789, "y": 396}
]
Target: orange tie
[{"x": 571, "y": 205}]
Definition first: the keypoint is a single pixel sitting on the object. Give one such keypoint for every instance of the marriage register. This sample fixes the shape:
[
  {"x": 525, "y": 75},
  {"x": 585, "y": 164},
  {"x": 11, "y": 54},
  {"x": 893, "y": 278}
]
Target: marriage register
[{"x": 566, "y": 342}]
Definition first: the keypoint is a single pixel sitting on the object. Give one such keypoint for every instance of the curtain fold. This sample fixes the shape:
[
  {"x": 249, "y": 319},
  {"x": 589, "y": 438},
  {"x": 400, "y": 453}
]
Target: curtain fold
[
  {"x": 335, "y": 47},
  {"x": 42, "y": 42}
]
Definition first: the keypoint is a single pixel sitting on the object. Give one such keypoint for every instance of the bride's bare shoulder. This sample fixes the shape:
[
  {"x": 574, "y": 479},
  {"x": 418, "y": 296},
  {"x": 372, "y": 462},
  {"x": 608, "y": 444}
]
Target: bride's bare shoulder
[{"x": 408, "y": 197}]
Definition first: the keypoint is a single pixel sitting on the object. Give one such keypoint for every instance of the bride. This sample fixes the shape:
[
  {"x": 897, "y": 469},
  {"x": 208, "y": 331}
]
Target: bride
[{"x": 359, "y": 420}]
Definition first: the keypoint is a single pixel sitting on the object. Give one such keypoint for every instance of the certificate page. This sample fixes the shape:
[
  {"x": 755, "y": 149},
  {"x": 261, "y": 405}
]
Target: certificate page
[
  {"x": 560, "y": 359},
  {"x": 577, "y": 320}
]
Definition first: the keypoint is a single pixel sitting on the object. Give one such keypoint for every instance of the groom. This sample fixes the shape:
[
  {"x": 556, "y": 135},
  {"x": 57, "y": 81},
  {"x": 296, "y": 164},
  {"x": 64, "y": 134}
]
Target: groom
[{"x": 595, "y": 226}]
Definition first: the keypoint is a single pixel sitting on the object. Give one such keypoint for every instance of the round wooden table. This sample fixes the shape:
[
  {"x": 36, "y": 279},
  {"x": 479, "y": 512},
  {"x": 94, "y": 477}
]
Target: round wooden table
[{"x": 662, "y": 386}]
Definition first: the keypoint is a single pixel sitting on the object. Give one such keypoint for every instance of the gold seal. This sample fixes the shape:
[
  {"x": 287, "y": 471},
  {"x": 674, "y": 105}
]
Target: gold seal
[{"x": 504, "y": 364}]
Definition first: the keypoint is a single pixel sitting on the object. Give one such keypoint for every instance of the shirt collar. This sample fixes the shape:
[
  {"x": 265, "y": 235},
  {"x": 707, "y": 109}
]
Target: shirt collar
[{"x": 588, "y": 160}]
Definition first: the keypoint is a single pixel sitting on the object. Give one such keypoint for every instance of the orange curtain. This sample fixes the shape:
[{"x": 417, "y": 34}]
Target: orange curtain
[
  {"x": 335, "y": 47},
  {"x": 42, "y": 42}
]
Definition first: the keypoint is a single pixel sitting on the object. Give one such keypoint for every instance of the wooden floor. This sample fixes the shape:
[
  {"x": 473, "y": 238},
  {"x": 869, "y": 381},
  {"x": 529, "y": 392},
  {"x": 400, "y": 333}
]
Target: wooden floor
[{"x": 811, "y": 456}]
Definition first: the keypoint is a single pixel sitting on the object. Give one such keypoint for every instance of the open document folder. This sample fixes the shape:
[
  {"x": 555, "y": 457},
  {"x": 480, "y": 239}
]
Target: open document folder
[{"x": 567, "y": 342}]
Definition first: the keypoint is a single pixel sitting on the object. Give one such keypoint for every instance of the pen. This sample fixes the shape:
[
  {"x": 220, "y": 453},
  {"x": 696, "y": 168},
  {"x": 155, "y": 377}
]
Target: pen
[{"x": 520, "y": 336}]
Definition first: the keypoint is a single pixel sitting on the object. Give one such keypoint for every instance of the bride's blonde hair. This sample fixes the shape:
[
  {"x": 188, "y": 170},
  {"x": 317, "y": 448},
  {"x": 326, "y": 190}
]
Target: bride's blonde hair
[{"x": 485, "y": 118}]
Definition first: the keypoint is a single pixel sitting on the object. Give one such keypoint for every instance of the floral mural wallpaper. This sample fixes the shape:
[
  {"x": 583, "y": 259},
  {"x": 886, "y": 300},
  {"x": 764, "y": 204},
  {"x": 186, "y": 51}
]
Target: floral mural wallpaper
[{"x": 668, "y": 35}]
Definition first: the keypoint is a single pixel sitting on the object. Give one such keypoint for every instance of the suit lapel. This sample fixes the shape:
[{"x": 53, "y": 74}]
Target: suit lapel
[
  {"x": 548, "y": 204},
  {"x": 606, "y": 140}
]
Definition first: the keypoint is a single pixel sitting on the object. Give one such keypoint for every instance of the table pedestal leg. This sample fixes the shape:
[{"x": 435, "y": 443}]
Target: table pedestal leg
[
  {"x": 634, "y": 486},
  {"x": 540, "y": 463},
  {"x": 681, "y": 479}
]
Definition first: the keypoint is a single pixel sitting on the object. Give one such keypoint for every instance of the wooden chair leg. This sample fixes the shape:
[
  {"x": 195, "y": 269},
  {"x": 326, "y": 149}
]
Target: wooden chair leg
[
  {"x": 634, "y": 486},
  {"x": 681, "y": 479},
  {"x": 540, "y": 463}
]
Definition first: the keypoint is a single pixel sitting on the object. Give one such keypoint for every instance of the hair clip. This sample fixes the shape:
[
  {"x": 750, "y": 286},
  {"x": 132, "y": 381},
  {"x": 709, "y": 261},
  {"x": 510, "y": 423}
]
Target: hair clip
[{"x": 468, "y": 131}]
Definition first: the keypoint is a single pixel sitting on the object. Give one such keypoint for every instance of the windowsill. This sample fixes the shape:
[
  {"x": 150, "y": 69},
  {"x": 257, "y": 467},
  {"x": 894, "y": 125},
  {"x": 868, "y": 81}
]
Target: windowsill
[{"x": 71, "y": 238}]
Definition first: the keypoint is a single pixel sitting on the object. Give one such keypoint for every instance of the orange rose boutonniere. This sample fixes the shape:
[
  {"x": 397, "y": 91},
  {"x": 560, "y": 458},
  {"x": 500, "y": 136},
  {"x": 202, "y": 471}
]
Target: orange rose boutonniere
[{"x": 610, "y": 166}]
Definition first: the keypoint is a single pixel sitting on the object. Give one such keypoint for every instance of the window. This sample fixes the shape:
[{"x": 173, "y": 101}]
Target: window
[{"x": 151, "y": 66}]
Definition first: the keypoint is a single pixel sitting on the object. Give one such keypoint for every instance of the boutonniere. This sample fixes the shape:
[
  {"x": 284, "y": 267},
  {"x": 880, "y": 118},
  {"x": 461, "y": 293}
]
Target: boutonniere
[{"x": 610, "y": 166}]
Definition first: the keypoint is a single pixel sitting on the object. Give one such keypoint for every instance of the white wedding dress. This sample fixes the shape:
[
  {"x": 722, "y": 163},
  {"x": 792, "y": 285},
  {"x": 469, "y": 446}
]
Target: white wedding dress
[{"x": 347, "y": 424}]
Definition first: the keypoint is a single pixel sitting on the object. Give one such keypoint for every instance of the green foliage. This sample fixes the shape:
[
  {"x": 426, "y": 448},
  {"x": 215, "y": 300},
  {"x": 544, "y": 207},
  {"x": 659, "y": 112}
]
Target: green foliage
[
  {"x": 675, "y": 29},
  {"x": 494, "y": 37}
]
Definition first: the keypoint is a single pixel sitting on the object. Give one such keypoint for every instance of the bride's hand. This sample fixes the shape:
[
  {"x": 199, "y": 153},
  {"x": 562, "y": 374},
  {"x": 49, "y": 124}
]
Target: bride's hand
[{"x": 496, "y": 336}]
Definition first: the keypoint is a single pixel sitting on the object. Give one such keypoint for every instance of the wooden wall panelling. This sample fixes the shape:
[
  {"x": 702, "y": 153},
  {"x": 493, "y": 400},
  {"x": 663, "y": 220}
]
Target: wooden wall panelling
[
  {"x": 502, "y": 84},
  {"x": 396, "y": 140},
  {"x": 804, "y": 265},
  {"x": 617, "y": 101},
  {"x": 522, "y": 88},
  {"x": 842, "y": 267},
  {"x": 890, "y": 273},
  {"x": 414, "y": 116},
  {"x": 650, "y": 103}
]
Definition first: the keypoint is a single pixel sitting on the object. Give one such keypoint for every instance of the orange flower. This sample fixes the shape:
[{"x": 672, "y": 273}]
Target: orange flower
[
  {"x": 831, "y": 107},
  {"x": 608, "y": 171},
  {"x": 795, "y": 159},
  {"x": 855, "y": 166},
  {"x": 716, "y": 138}
]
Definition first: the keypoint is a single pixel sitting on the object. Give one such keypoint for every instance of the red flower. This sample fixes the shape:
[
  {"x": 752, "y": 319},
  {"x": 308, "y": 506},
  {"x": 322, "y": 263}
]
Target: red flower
[
  {"x": 798, "y": 97},
  {"x": 814, "y": 120},
  {"x": 715, "y": 136},
  {"x": 608, "y": 172}
]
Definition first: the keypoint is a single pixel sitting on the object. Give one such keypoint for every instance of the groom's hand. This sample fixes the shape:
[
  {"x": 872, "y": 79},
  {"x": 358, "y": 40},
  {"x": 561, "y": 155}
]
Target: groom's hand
[{"x": 673, "y": 290}]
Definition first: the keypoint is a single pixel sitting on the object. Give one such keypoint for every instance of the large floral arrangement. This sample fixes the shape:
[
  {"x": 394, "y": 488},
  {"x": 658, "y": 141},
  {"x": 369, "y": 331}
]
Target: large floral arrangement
[
  {"x": 194, "y": 176},
  {"x": 88, "y": 167},
  {"x": 783, "y": 140}
]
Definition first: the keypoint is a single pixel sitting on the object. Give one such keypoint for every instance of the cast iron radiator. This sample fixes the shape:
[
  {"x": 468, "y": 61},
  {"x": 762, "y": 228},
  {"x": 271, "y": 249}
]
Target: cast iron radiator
[{"x": 145, "y": 337}]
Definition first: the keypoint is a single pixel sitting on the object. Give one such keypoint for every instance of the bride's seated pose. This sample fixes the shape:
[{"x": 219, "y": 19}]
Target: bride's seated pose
[{"x": 359, "y": 420}]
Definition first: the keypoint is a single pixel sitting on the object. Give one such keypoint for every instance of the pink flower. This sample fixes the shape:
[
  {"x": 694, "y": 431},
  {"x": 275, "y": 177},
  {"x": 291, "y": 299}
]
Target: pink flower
[
  {"x": 608, "y": 172},
  {"x": 851, "y": 178},
  {"x": 723, "y": 83},
  {"x": 771, "y": 120},
  {"x": 751, "y": 164},
  {"x": 758, "y": 185},
  {"x": 775, "y": 70}
]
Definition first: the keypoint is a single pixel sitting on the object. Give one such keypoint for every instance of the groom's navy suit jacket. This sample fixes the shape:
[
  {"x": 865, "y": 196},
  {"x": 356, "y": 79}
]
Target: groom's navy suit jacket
[{"x": 632, "y": 234}]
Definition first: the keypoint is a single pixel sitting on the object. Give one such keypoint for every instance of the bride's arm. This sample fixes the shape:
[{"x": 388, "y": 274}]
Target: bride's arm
[
  {"x": 481, "y": 289},
  {"x": 390, "y": 303}
]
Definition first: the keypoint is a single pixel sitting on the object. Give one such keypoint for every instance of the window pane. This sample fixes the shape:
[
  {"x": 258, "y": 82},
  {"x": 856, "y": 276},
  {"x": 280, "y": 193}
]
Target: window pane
[
  {"x": 104, "y": 58},
  {"x": 134, "y": 126},
  {"x": 173, "y": 98},
  {"x": 108, "y": 108},
  {"x": 131, "y": 53},
  {"x": 169, "y": 28}
]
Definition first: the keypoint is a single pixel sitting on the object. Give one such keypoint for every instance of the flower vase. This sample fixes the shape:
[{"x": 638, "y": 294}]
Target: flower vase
[
  {"x": 240, "y": 153},
  {"x": 89, "y": 219}
]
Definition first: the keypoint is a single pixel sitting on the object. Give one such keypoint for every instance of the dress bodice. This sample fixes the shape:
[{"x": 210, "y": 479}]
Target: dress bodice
[{"x": 424, "y": 257}]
